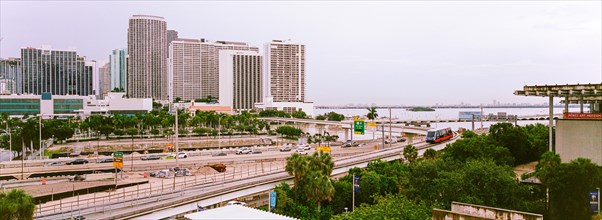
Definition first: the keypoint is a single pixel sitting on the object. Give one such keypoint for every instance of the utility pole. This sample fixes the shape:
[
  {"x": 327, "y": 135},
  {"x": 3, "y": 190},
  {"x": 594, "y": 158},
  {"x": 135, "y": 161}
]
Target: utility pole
[
  {"x": 177, "y": 134},
  {"x": 390, "y": 133},
  {"x": 383, "y": 131},
  {"x": 40, "y": 125},
  {"x": 353, "y": 194}
]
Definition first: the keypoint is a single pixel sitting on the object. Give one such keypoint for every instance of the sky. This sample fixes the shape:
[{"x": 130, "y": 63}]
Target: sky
[{"x": 358, "y": 52}]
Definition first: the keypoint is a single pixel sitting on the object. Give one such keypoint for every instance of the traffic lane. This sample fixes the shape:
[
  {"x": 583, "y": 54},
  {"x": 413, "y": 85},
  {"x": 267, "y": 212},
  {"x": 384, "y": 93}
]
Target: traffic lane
[{"x": 206, "y": 159}]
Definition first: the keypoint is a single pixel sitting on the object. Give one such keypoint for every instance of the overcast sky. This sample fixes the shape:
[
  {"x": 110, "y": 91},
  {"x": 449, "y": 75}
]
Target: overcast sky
[{"x": 387, "y": 52}]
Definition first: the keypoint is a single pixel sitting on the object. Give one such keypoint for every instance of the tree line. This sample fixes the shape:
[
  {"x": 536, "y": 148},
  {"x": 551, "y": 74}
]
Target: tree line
[{"x": 476, "y": 169}]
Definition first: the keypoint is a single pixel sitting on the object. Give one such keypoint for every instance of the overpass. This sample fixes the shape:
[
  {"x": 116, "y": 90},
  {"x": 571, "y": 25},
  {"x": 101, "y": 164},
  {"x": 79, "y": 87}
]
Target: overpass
[{"x": 185, "y": 199}]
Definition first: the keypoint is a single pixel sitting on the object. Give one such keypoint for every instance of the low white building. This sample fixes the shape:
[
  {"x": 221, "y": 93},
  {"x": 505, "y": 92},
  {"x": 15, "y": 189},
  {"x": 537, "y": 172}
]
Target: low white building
[
  {"x": 50, "y": 106},
  {"x": 269, "y": 104}
]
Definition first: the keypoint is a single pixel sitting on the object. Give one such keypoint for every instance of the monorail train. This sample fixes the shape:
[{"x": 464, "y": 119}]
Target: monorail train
[{"x": 438, "y": 135}]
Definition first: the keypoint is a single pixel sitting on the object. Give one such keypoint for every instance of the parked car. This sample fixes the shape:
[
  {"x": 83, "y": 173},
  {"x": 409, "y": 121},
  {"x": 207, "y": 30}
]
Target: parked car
[
  {"x": 304, "y": 146},
  {"x": 106, "y": 160},
  {"x": 182, "y": 155},
  {"x": 55, "y": 163},
  {"x": 237, "y": 203},
  {"x": 77, "y": 177},
  {"x": 217, "y": 154},
  {"x": 244, "y": 150},
  {"x": 77, "y": 161},
  {"x": 301, "y": 151},
  {"x": 183, "y": 172},
  {"x": 150, "y": 157},
  {"x": 350, "y": 144},
  {"x": 285, "y": 148}
]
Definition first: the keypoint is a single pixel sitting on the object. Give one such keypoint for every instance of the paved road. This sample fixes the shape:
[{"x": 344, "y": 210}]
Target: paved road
[{"x": 147, "y": 203}]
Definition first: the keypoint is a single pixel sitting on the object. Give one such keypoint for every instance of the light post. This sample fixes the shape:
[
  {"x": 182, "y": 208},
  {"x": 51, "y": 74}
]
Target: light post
[
  {"x": 219, "y": 132},
  {"x": 40, "y": 129}
]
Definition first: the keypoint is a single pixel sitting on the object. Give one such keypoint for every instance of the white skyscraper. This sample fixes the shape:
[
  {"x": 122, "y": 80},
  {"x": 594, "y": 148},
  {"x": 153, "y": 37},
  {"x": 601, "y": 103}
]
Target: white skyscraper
[
  {"x": 118, "y": 69},
  {"x": 185, "y": 69},
  {"x": 240, "y": 79},
  {"x": 284, "y": 71},
  {"x": 147, "y": 57}
]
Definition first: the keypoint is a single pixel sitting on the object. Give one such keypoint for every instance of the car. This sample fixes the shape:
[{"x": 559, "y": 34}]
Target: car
[
  {"x": 255, "y": 151},
  {"x": 150, "y": 157},
  {"x": 401, "y": 140},
  {"x": 77, "y": 177},
  {"x": 391, "y": 140},
  {"x": 285, "y": 148},
  {"x": 217, "y": 154},
  {"x": 77, "y": 161},
  {"x": 106, "y": 160},
  {"x": 301, "y": 151},
  {"x": 237, "y": 203},
  {"x": 183, "y": 172},
  {"x": 182, "y": 155},
  {"x": 244, "y": 150},
  {"x": 350, "y": 144},
  {"x": 304, "y": 146},
  {"x": 162, "y": 174},
  {"x": 55, "y": 163}
]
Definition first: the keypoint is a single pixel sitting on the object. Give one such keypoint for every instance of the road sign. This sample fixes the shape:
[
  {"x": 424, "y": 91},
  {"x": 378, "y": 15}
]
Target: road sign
[
  {"x": 272, "y": 200},
  {"x": 358, "y": 126},
  {"x": 118, "y": 159},
  {"x": 372, "y": 124},
  {"x": 356, "y": 183},
  {"x": 593, "y": 200}
]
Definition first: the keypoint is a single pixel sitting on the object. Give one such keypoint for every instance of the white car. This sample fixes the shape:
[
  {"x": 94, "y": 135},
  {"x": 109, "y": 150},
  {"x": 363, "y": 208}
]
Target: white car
[
  {"x": 304, "y": 146},
  {"x": 301, "y": 151},
  {"x": 390, "y": 141},
  {"x": 244, "y": 150},
  {"x": 237, "y": 203},
  {"x": 182, "y": 155},
  {"x": 56, "y": 163}
]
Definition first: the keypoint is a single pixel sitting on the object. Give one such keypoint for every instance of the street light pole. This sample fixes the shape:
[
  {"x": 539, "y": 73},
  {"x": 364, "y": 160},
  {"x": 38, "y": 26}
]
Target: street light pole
[
  {"x": 219, "y": 132},
  {"x": 177, "y": 134},
  {"x": 40, "y": 135}
]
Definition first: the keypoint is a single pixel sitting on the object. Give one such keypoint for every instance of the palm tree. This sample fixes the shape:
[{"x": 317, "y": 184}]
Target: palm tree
[
  {"x": 410, "y": 153},
  {"x": 297, "y": 166},
  {"x": 372, "y": 114},
  {"x": 16, "y": 204},
  {"x": 318, "y": 188},
  {"x": 322, "y": 162}
]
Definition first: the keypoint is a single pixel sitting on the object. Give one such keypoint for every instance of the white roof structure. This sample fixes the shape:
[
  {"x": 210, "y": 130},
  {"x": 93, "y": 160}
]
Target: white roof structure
[{"x": 235, "y": 212}]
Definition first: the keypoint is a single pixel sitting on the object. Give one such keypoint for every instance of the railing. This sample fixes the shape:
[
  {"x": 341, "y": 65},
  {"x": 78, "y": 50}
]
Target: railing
[{"x": 153, "y": 189}]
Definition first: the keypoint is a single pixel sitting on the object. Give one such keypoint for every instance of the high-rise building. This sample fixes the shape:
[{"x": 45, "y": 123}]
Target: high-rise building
[
  {"x": 171, "y": 35},
  {"x": 284, "y": 71},
  {"x": 147, "y": 57},
  {"x": 240, "y": 79},
  {"x": 118, "y": 69},
  {"x": 210, "y": 63},
  {"x": 59, "y": 72},
  {"x": 104, "y": 75},
  {"x": 10, "y": 75},
  {"x": 185, "y": 69}
]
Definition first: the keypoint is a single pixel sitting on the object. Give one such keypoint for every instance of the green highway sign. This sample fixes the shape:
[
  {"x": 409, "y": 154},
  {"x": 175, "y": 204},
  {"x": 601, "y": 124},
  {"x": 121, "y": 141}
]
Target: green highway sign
[
  {"x": 118, "y": 159},
  {"x": 358, "y": 126}
]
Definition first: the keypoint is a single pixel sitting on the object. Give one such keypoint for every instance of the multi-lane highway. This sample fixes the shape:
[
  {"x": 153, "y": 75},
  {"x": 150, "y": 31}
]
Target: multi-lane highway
[{"x": 139, "y": 205}]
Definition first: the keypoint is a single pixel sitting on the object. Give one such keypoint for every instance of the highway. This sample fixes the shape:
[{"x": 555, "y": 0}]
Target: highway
[{"x": 148, "y": 203}]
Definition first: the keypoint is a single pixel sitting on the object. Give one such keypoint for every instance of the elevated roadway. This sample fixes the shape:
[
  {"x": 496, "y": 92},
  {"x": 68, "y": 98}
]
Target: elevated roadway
[{"x": 141, "y": 206}]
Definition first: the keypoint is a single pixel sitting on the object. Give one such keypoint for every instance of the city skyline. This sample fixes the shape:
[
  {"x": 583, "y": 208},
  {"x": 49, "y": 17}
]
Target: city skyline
[{"x": 390, "y": 53}]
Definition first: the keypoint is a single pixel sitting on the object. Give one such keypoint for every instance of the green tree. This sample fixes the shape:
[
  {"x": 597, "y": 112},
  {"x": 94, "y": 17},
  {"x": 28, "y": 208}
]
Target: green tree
[
  {"x": 16, "y": 205},
  {"x": 569, "y": 185},
  {"x": 289, "y": 131},
  {"x": 513, "y": 138},
  {"x": 410, "y": 153},
  {"x": 430, "y": 154},
  {"x": 389, "y": 207},
  {"x": 299, "y": 114},
  {"x": 372, "y": 114},
  {"x": 318, "y": 187},
  {"x": 477, "y": 147},
  {"x": 297, "y": 166}
]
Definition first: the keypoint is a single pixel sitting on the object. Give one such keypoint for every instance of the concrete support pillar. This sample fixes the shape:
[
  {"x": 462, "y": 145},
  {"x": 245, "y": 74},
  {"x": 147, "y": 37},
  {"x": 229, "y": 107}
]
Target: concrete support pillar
[
  {"x": 581, "y": 104},
  {"x": 551, "y": 124},
  {"x": 346, "y": 133},
  {"x": 566, "y": 103}
]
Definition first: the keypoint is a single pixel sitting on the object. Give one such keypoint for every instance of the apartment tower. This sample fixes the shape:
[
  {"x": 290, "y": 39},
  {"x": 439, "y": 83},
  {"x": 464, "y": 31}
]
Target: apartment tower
[
  {"x": 210, "y": 63},
  {"x": 59, "y": 72},
  {"x": 240, "y": 79},
  {"x": 284, "y": 71},
  {"x": 147, "y": 61},
  {"x": 118, "y": 69},
  {"x": 10, "y": 75},
  {"x": 104, "y": 78},
  {"x": 171, "y": 36},
  {"x": 185, "y": 69}
]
